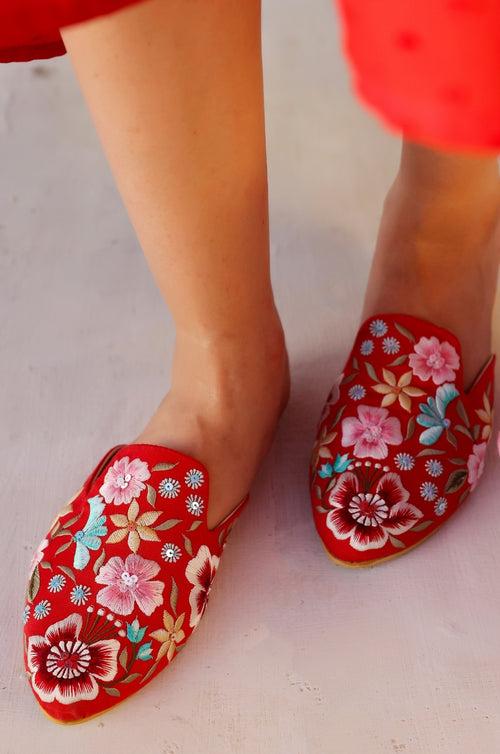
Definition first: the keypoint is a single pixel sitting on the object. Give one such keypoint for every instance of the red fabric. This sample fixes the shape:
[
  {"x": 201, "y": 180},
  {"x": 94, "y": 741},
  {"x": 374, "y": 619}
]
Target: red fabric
[
  {"x": 29, "y": 29},
  {"x": 429, "y": 68},
  {"x": 120, "y": 581},
  {"x": 400, "y": 444}
]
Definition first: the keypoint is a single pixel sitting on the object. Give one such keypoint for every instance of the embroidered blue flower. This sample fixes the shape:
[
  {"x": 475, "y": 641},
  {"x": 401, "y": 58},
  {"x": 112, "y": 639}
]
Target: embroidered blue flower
[
  {"x": 429, "y": 491},
  {"x": 341, "y": 463},
  {"x": 433, "y": 415},
  {"x": 378, "y": 328},
  {"x": 170, "y": 552},
  {"x": 326, "y": 471},
  {"x": 89, "y": 538},
  {"x": 79, "y": 595},
  {"x": 145, "y": 652},
  {"x": 135, "y": 633},
  {"x": 366, "y": 347},
  {"x": 57, "y": 582},
  {"x": 404, "y": 461},
  {"x": 41, "y": 609},
  {"x": 434, "y": 467},
  {"x": 26, "y": 614},
  {"x": 440, "y": 506},
  {"x": 357, "y": 392},
  {"x": 391, "y": 346}
]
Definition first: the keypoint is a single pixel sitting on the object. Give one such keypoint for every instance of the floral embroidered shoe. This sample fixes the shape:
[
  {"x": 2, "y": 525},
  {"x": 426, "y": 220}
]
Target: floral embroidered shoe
[
  {"x": 121, "y": 580},
  {"x": 400, "y": 444}
]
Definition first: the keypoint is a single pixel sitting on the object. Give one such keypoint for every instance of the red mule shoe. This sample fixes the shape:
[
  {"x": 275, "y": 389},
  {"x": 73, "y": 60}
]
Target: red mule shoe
[
  {"x": 121, "y": 580},
  {"x": 400, "y": 444}
]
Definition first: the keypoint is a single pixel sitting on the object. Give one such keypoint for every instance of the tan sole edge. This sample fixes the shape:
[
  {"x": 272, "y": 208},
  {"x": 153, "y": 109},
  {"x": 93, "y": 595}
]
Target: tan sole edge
[{"x": 377, "y": 561}]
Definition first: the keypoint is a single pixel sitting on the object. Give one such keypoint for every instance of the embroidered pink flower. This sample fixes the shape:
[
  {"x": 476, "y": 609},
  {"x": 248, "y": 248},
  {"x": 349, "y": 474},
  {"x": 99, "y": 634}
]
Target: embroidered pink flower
[
  {"x": 475, "y": 463},
  {"x": 434, "y": 360},
  {"x": 66, "y": 666},
  {"x": 129, "y": 583},
  {"x": 200, "y": 572},
  {"x": 38, "y": 555},
  {"x": 367, "y": 516},
  {"x": 371, "y": 433},
  {"x": 124, "y": 481}
]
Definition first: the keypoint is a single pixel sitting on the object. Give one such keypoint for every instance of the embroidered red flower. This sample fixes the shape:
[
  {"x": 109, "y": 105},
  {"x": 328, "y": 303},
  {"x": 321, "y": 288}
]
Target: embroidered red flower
[
  {"x": 200, "y": 572},
  {"x": 366, "y": 510},
  {"x": 67, "y": 665}
]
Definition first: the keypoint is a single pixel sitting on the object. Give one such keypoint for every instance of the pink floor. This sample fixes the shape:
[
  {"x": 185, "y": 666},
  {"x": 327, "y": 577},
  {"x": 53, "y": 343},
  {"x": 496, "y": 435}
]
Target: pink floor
[{"x": 295, "y": 656}]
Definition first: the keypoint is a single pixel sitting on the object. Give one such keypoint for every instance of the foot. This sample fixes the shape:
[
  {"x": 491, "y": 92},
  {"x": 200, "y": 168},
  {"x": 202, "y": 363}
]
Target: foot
[
  {"x": 227, "y": 395},
  {"x": 437, "y": 259}
]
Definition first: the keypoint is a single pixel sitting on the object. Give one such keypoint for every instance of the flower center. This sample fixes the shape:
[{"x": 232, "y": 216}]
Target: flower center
[
  {"x": 79, "y": 535},
  {"x": 435, "y": 361},
  {"x": 131, "y": 526},
  {"x": 372, "y": 433},
  {"x": 68, "y": 659},
  {"x": 123, "y": 481},
  {"x": 368, "y": 509},
  {"x": 129, "y": 579}
]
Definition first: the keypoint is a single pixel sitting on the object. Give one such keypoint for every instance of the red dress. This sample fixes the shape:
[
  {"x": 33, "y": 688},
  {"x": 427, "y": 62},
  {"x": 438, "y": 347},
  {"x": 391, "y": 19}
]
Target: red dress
[{"x": 429, "y": 68}]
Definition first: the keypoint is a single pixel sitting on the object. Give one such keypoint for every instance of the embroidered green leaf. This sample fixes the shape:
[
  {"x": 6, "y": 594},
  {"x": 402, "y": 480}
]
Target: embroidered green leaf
[
  {"x": 464, "y": 431},
  {"x": 150, "y": 672},
  {"x": 421, "y": 527},
  {"x": 68, "y": 571},
  {"x": 400, "y": 360},
  {"x": 322, "y": 509},
  {"x": 174, "y": 594},
  {"x": 396, "y": 542},
  {"x": 371, "y": 371},
  {"x": 63, "y": 547},
  {"x": 34, "y": 585},
  {"x": 98, "y": 563},
  {"x": 194, "y": 525},
  {"x": 455, "y": 480},
  {"x": 123, "y": 658},
  {"x": 187, "y": 544},
  {"x": 61, "y": 533},
  {"x": 405, "y": 332},
  {"x": 168, "y": 524},
  {"x": 463, "y": 496},
  {"x": 458, "y": 461},
  {"x": 151, "y": 495},
  {"x": 430, "y": 452},
  {"x": 130, "y": 678},
  {"x": 410, "y": 429},
  {"x": 476, "y": 431},
  {"x": 165, "y": 466},
  {"x": 349, "y": 378},
  {"x": 111, "y": 691},
  {"x": 337, "y": 418},
  {"x": 45, "y": 564},
  {"x": 317, "y": 491},
  {"x": 451, "y": 438},
  {"x": 71, "y": 521},
  {"x": 355, "y": 364},
  {"x": 463, "y": 413}
]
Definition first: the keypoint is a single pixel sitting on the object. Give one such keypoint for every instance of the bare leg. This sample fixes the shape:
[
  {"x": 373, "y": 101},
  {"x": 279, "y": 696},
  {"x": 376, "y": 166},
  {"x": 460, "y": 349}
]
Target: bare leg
[
  {"x": 175, "y": 89},
  {"x": 438, "y": 249}
]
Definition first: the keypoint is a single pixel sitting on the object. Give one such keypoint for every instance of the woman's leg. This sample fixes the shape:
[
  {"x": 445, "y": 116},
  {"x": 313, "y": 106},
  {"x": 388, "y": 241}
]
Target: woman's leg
[
  {"x": 438, "y": 249},
  {"x": 175, "y": 89}
]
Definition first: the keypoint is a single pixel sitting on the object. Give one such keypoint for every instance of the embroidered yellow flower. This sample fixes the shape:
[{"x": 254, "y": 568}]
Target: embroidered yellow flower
[
  {"x": 400, "y": 391},
  {"x": 170, "y": 636},
  {"x": 486, "y": 416},
  {"x": 135, "y": 527}
]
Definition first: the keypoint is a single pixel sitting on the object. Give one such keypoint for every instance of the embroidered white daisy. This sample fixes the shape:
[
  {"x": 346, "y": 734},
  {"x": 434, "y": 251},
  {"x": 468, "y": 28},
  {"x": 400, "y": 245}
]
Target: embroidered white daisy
[
  {"x": 57, "y": 582},
  {"x": 26, "y": 614},
  {"x": 194, "y": 478},
  {"x": 169, "y": 488},
  {"x": 404, "y": 461},
  {"x": 378, "y": 328},
  {"x": 41, "y": 609},
  {"x": 366, "y": 347},
  {"x": 357, "y": 392},
  {"x": 171, "y": 553},
  {"x": 428, "y": 491},
  {"x": 434, "y": 467},
  {"x": 390, "y": 346},
  {"x": 80, "y": 595},
  {"x": 194, "y": 504},
  {"x": 440, "y": 506}
]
